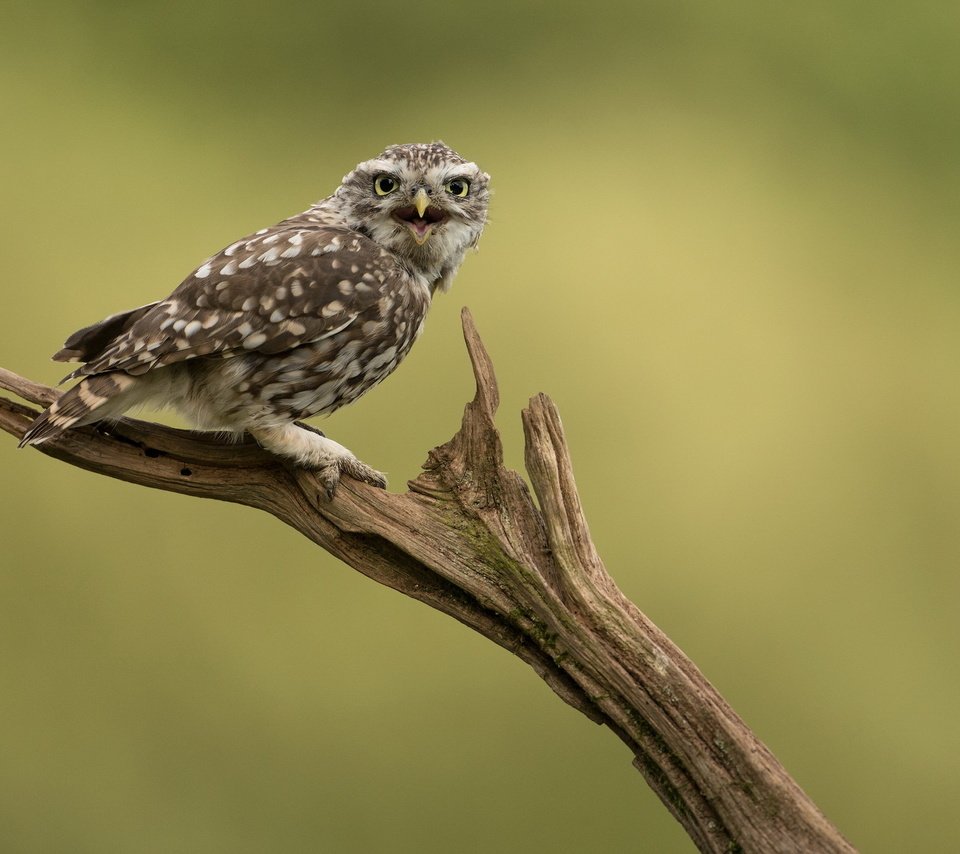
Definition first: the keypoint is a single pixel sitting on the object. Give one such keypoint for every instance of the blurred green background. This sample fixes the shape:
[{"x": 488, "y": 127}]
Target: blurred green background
[{"x": 725, "y": 240}]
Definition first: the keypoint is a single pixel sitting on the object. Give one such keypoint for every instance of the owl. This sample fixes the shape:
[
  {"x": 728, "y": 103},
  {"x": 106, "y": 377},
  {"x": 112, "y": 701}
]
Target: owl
[{"x": 293, "y": 321}]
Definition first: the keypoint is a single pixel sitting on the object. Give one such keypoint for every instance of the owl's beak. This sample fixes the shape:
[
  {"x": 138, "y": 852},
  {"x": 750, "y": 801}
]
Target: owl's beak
[
  {"x": 419, "y": 217},
  {"x": 421, "y": 201}
]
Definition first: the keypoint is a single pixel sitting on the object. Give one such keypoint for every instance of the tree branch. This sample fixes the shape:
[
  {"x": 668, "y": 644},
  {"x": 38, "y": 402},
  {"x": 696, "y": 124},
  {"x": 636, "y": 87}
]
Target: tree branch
[{"x": 469, "y": 540}]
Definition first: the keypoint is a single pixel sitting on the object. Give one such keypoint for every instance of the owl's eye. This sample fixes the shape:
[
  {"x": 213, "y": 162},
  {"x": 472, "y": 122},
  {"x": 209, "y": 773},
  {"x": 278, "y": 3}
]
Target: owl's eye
[
  {"x": 458, "y": 187},
  {"x": 383, "y": 185}
]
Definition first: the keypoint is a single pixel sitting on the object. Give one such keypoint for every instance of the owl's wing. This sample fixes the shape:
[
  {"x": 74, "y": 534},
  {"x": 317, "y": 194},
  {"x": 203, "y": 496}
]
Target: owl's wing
[{"x": 274, "y": 291}]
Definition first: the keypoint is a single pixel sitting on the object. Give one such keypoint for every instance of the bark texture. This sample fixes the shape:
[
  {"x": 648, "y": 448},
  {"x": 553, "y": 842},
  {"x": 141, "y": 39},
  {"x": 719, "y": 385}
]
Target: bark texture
[{"x": 468, "y": 539}]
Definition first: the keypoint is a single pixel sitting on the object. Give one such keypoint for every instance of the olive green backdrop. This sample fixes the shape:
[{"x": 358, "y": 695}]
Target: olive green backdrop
[{"x": 724, "y": 238}]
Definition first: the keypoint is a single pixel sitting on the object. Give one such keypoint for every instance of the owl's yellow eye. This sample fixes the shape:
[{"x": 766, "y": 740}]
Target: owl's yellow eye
[
  {"x": 383, "y": 185},
  {"x": 458, "y": 187}
]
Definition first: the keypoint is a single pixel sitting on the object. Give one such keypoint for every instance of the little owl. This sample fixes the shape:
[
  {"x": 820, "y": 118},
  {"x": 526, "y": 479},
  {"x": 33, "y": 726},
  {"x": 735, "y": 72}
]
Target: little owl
[{"x": 293, "y": 321}]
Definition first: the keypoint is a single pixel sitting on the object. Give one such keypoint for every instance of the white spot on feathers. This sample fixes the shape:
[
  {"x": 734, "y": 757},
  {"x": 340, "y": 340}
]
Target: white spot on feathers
[
  {"x": 93, "y": 401},
  {"x": 294, "y": 327},
  {"x": 251, "y": 342}
]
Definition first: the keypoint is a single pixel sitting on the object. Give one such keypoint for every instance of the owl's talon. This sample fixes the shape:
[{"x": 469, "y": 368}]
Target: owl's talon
[
  {"x": 330, "y": 474},
  {"x": 361, "y": 471},
  {"x": 329, "y": 478},
  {"x": 309, "y": 450}
]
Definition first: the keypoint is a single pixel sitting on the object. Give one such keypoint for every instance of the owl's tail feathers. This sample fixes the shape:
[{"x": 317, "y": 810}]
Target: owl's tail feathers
[
  {"x": 88, "y": 343},
  {"x": 92, "y": 399}
]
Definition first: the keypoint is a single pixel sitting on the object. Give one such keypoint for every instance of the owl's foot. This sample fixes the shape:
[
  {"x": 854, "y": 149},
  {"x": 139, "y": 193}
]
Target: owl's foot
[
  {"x": 311, "y": 449},
  {"x": 329, "y": 474}
]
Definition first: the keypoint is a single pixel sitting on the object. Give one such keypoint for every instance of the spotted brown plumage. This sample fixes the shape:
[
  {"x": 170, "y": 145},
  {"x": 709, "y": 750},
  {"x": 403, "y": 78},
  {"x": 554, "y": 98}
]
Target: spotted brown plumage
[{"x": 293, "y": 321}]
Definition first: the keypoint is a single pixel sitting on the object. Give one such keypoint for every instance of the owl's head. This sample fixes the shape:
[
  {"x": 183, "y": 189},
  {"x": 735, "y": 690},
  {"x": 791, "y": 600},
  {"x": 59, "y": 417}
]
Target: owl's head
[{"x": 422, "y": 201}]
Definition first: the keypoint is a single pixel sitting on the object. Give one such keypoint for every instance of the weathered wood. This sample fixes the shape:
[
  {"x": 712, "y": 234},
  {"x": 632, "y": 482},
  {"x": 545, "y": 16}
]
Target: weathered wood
[{"x": 468, "y": 539}]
